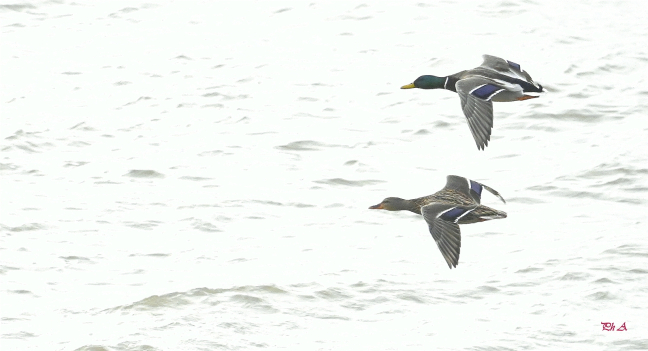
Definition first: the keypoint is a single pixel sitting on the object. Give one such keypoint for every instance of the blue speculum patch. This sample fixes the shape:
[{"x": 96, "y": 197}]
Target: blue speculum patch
[
  {"x": 514, "y": 65},
  {"x": 476, "y": 187},
  {"x": 453, "y": 214},
  {"x": 485, "y": 92}
]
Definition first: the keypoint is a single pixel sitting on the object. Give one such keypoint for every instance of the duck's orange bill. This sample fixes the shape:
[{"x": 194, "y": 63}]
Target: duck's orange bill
[
  {"x": 376, "y": 207},
  {"x": 408, "y": 86}
]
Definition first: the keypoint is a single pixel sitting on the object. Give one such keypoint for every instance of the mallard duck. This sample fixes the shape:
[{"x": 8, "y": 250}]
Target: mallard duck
[
  {"x": 495, "y": 80},
  {"x": 459, "y": 202}
]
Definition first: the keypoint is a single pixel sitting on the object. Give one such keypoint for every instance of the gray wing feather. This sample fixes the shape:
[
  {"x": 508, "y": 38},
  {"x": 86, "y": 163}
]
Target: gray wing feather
[
  {"x": 446, "y": 234},
  {"x": 493, "y": 191},
  {"x": 495, "y": 63},
  {"x": 478, "y": 112},
  {"x": 502, "y": 66},
  {"x": 462, "y": 185},
  {"x": 458, "y": 183}
]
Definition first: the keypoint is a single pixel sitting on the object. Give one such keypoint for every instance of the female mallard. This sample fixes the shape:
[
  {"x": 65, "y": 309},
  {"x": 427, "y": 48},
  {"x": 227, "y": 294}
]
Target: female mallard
[
  {"x": 457, "y": 203},
  {"x": 495, "y": 80}
]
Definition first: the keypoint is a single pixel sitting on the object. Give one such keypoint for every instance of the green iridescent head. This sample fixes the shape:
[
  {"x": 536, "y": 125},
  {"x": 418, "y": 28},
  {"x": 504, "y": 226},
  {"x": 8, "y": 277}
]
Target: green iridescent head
[{"x": 426, "y": 82}]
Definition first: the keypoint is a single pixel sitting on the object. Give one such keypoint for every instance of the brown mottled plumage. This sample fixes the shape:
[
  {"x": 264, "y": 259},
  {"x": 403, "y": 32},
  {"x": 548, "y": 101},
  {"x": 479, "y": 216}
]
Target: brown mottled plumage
[{"x": 459, "y": 202}]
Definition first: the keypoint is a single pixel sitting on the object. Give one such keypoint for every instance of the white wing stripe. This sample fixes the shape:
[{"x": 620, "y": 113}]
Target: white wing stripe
[
  {"x": 465, "y": 213},
  {"x": 441, "y": 213},
  {"x": 475, "y": 88},
  {"x": 493, "y": 94}
]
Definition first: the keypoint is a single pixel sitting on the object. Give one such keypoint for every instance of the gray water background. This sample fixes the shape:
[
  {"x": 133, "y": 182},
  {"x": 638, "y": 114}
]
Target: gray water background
[{"x": 196, "y": 176}]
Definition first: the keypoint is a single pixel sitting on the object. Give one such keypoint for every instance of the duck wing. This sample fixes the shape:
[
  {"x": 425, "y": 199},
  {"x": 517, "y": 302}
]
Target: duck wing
[
  {"x": 507, "y": 68},
  {"x": 442, "y": 221},
  {"x": 476, "y": 94},
  {"x": 469, "y": 188}
]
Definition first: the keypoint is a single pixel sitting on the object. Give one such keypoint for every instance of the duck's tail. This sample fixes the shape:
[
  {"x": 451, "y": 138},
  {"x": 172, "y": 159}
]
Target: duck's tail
[
  {"x": 494, "y": 214},
  {"x": 531, "y": 87}
]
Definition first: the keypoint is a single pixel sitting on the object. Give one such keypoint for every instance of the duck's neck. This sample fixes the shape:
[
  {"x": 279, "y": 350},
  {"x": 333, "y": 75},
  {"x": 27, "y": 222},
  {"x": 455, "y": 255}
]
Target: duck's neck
[
  {"x": 434, "y": 82},
  {"x": 408, "y": 205},
  {"x": 450, "y": 83}
]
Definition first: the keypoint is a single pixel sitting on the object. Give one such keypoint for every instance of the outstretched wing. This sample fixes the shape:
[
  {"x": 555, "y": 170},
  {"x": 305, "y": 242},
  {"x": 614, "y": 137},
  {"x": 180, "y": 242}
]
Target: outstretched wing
[
  {"x": 507, "y": 68},
  {"x": 469, "y": 187},
  {"x": 442, "y": 221},
  {"x": 476, "y": 94}
]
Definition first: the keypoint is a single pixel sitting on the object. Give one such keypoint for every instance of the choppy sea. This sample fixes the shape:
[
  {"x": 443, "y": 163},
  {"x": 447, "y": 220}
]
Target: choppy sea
[{"x": 191, "y": 175}]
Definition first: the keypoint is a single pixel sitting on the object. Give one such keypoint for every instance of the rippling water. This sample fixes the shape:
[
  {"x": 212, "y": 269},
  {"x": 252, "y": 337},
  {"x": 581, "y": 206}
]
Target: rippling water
[{"x": 190, "y": 175}]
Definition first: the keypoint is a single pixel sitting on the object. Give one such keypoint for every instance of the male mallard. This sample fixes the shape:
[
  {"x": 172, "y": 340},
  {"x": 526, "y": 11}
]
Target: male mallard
[
  {"x": 457, "y": 203},
  {"x": 495, "y": 80}
]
